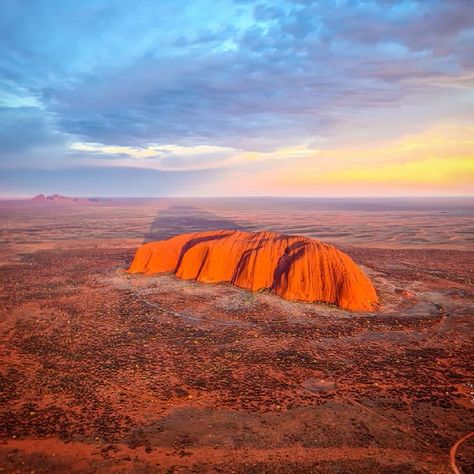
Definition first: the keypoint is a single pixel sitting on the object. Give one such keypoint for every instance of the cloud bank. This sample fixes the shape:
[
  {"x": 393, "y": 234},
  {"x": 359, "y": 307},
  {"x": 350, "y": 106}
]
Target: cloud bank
[{"x": 232, "y": 86}]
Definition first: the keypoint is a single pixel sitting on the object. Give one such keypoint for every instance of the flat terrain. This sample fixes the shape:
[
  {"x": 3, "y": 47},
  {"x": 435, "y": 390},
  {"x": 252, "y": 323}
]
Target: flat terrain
[{"x": 101, "y": 371}]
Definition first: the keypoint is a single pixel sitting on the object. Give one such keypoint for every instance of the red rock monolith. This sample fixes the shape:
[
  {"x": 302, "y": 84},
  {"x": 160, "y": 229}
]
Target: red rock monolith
[{"x": 294, "y": 267}]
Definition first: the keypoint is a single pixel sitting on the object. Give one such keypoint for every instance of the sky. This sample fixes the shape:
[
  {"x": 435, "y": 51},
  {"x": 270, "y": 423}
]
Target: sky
[{"x": 236, "y": 98}]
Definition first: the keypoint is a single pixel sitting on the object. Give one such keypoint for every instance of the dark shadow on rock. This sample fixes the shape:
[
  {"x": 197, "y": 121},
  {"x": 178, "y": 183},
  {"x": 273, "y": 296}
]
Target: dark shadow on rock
[
  {"x": 197, "y": 240},
  {"x": 176, "y": 220},
  {"x": 286, "y": 260}
]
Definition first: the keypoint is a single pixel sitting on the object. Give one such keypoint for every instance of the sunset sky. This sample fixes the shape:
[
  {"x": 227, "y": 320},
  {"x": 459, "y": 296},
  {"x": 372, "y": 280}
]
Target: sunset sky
[{"x": 204, "y": 98}]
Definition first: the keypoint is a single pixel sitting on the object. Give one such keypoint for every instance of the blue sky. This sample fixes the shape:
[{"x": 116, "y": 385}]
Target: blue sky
[{"x": 293, "y": 97}]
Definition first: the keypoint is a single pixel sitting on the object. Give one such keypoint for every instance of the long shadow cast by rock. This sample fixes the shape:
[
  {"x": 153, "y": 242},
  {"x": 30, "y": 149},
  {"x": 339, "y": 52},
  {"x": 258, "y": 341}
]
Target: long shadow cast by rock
[{"x": 180, "y": 219}]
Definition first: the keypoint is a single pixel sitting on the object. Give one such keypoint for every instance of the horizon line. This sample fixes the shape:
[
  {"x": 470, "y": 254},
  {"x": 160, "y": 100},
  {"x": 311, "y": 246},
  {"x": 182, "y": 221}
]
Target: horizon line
[{"x": 348, "y": 196}]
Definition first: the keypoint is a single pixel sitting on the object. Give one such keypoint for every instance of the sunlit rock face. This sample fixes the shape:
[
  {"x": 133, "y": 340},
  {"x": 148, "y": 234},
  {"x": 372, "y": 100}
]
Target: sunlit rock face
[{"x": 293, "y": 267}]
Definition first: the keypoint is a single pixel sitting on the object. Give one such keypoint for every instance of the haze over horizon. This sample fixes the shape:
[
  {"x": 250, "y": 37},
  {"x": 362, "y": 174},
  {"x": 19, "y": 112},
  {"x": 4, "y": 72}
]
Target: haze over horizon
[{"x": 236, "y": 98}]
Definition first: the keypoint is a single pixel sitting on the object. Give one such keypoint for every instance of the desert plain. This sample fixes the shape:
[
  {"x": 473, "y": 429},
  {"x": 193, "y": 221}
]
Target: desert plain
[{"x": 104, "y": 371}]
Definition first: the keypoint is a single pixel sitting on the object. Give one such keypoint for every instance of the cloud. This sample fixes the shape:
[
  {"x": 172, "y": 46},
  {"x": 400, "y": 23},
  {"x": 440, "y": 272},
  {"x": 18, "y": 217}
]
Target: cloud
[
  {"x": 439, "y": 160},
  {"x": 150, "y": 150},
  {"x": 295, "y": 70},
  {"x": 161, "y": 157},
  {"x": 24, "y": 128},
  {"x": 177, "y": 157},
  {"x": 244, "y": 85}
]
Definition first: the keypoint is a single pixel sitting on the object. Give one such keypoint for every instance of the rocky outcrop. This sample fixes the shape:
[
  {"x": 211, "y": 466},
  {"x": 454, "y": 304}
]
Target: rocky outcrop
[
  {"x": 294, "y": 267},
  {"x": 59, "y": 198}
]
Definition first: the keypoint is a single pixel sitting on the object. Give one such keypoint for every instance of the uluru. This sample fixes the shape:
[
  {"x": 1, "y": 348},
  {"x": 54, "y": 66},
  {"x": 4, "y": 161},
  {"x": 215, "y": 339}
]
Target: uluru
[{"x": 294, "y": 267}]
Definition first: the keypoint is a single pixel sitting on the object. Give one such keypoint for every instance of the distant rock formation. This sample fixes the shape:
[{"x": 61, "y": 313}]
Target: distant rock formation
[
  {"x": 58, "y": 198},
  {"x": 293, "y": 267}
]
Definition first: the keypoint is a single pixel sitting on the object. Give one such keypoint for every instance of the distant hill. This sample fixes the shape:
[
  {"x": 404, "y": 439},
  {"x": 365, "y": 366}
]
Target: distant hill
[{"x": 59, "y": 198}]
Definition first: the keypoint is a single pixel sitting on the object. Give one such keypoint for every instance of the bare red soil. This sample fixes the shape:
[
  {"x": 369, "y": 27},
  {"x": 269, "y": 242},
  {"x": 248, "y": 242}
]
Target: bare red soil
[
  {"x": 103, "y": 371},
  {"x": 293, "y": 267}
]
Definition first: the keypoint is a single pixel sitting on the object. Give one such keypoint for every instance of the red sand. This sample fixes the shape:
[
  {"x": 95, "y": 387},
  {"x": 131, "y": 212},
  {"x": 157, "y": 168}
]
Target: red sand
[
  {"x": 294, "y": 267},
  {"x": 104, "y": 371}
]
